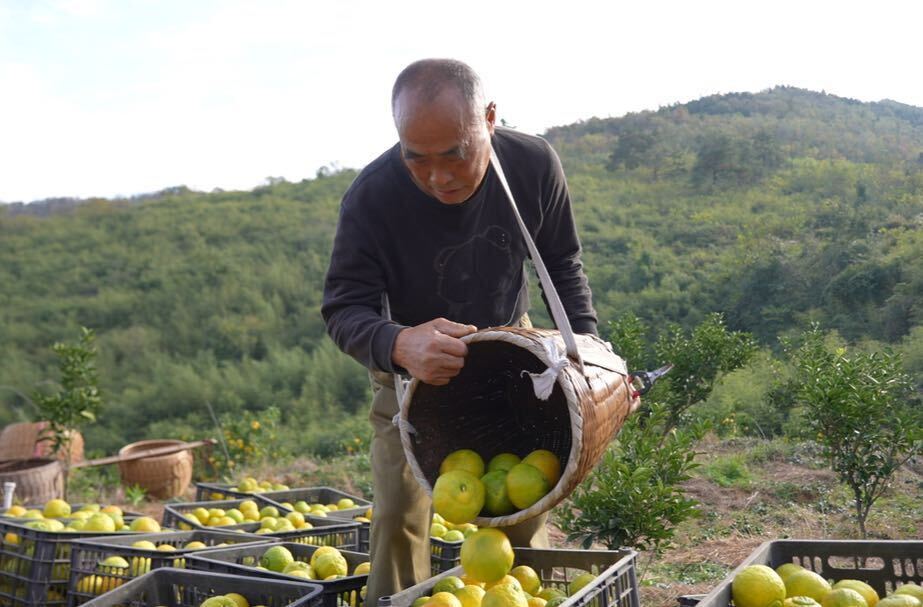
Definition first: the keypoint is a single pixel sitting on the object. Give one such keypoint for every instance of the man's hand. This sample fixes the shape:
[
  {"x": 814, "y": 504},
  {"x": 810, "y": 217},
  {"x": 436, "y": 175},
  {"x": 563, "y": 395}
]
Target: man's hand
[{"x": 432, "y": 352}]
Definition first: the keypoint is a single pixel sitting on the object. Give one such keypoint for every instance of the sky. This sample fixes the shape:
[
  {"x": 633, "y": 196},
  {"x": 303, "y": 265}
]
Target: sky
[{"x": 120, "y": 97}]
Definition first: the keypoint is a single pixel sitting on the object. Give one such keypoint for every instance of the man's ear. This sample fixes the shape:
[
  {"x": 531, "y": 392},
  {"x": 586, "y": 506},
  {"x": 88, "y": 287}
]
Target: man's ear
[{"x": 491, "y": 116}]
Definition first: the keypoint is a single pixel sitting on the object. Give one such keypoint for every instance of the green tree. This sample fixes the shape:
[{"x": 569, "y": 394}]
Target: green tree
[
  {"x": 78, "y": 400},
  {"x": 633, "y": 497},
  {"x": 860, "y": 407}
]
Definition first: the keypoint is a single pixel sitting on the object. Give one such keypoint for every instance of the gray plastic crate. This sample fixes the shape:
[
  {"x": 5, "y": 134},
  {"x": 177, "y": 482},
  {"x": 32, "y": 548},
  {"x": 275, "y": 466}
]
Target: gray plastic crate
[
  {"x": 883, "y": 565},
  {"x": 616, "y": 583},
  {"x": 184, "y": 588},
  {"x": 87, "y": 556},
  {"x": 242, "y": 560}
]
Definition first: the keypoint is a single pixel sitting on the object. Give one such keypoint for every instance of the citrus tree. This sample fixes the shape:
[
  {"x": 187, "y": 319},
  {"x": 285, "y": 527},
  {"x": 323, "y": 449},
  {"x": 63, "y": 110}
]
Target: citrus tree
[
  {"x": 861, "y": 408},
  {"x": 76, "y": 402},
  {"x": 633, "y": 497}
]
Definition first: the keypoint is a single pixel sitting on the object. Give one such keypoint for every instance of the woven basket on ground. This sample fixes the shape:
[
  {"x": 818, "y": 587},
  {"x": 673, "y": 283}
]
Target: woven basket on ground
[
  {"x": 162, "y": 476},
  {"x": 21, "y": 441},
  {"x": 492, "y": 407},
  {"x": 37, "y": 480}
]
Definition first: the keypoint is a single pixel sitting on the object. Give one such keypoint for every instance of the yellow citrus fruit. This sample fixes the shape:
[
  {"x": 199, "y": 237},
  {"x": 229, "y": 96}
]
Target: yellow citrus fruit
[
  {"x": 458, "y": 496},
  {"x": 112, "y": 509},
  {"x": 786, "y": 569},
  {"x": 56, "y": 508},
  {"x": 551, "y": 592},
  {"x": 420, "y": 601},
  {"x": 806, "y": 583},
  {"x": 145, "y": 524},
  {"x": 758, "y": 586},
  {"x": 444, "y": 599},
  {"x": 448, "y": 584},
  {"x": 487, "y": 555},
  {"x": 276, "y": 558},
  {"x": 547, "y": 463},
  {"x": 503, "y": 461},
  {"x": 525, "y": 485},
  {"x": 899, "y": 600},
  {"x": 362, "y": 568},
  {"x": 470, "y": 581},
  {"x": 463, "y": 459},
  {"x": 578, "y": 583},
  {"x": 166, "y": 548},
  {"x": 331, "y": 563},
  {"x": 535, "y": 601},
  {"x": 843, "y": 597},
  {"x": 15, "y": 511},
  {"x": 470, "y": 595},
  {"x": 239, "y": 600},
  {"x": 528, "y": 578},
  {"x": 496, "y": 499},
  {"x": 437, "y": 530},
  {"x": 453, "y": 535},
  {"x": 269, "y": 511},
  {"x": 867, "y": 592},
  {"x": 100, "y": 522},
  {"x": 144, "y": 544},
  {"x": 800, "y": 601},
  {"x": 346, "y": 503},
  {"x": 320, "y": 552},
  {"x": 504, "y": 595},
  {"x": 218, "y": 601},
  {"x": 558, "y": 600},
  {"x": 506, "y": 579},
  {"x": 910, "y": 589},
  {"x": 195, "y": 545}
]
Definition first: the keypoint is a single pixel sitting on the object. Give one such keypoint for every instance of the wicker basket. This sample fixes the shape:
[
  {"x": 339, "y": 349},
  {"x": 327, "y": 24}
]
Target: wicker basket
[
  {"x": 21, "y": 441},
  {"x": 492, "y": 407},
  {"x": 37, "y": 480},
  {"x": 162, "y": 476}
]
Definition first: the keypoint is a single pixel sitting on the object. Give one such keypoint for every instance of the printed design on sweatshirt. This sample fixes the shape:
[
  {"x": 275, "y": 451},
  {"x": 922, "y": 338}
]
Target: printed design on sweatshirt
[{"x": 480, "y": 270}]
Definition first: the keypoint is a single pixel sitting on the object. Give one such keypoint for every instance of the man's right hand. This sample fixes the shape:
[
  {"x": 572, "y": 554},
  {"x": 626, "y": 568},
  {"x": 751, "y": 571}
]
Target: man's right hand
[{"x": 432, "y": 352}]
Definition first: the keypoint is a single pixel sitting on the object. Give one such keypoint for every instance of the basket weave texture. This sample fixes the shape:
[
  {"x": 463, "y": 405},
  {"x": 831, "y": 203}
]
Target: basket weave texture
[
  {"x": 21, "y": 441},
  {"x": 491, "y": 407},
  {"x": 162, "y": 476},
  {"x": 37, "y": 480}
]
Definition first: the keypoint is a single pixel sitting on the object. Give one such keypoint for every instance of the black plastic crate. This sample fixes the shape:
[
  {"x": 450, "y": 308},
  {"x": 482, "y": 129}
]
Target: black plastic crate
[
  {"x": 883, "y": 565},
  {"x": 171, "y": 587},
  {"x": 321, "y": 495},
  {"x": 242, "y": 560},
  {"x": 616, "y": 582},
  {"x": 89, "y": 576},
  {"x": 179, "y": 515},
  {"x": 444, "y": 555},
  {"x": 35, "y": 564}
]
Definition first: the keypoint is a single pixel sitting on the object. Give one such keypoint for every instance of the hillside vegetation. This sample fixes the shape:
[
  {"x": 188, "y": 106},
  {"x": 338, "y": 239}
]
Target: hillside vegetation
[{"x": 776, "y": 209}]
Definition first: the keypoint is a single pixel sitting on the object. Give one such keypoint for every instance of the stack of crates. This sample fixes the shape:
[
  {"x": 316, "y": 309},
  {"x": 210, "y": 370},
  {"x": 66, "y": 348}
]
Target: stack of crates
[
  {"x": 243, "y": 560},
  {"x": 97, "y": 563}
]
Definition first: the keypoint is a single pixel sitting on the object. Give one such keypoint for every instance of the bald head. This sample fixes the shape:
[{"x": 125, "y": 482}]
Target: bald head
[{"x": 424, "y": 82}]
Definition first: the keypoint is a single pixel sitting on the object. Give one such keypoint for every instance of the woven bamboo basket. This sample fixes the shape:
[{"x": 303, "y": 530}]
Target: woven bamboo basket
[
  {"x": 21, "y": 441},
  {"x": 492, "y": 407},
  {"x": 37, "y": 479},
  {"x": 162, "y": 476}
]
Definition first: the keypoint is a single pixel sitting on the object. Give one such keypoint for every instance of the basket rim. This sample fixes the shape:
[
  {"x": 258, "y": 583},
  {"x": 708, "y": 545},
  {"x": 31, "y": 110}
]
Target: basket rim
[{"x": 534, "y": 346}]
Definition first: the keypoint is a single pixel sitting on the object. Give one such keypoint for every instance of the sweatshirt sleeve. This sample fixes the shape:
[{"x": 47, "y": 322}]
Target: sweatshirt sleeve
[
  {"x": 353, "y": 288},
  {"x": 559, "y": 246}
]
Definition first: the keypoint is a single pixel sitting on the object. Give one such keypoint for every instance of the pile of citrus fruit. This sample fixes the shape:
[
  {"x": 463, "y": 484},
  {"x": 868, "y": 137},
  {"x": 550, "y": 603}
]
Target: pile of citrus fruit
[
  {"x": 231, "y": 599},
  {"x": 251, "y": 485},
  {"x": 467, "y": 488},
  {"x": 450, "y": 532},
  {"x": 326, "y": 563},
  {"x": 489, "y": 579},
  {"x": 791, "y": 585},
  {"x": 58, "y": 515}
]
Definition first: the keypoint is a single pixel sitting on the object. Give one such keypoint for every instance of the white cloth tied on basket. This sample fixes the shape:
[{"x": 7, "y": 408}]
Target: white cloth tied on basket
[{"x": 543, "y": 383}]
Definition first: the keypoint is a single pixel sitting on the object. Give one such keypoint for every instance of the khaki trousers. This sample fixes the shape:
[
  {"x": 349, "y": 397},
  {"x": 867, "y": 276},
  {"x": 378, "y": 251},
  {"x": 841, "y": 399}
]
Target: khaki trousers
[{"x": 399, "y": 541}]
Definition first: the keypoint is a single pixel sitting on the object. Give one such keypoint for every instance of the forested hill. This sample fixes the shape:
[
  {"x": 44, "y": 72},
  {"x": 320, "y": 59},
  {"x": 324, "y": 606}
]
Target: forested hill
[{"x": 778, "y": 209}]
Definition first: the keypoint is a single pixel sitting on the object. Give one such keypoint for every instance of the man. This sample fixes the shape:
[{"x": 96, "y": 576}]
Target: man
[{"x": 428, "y": 225}]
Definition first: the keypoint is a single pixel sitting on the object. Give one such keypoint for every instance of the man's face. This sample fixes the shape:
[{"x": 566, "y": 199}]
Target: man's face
[{"x": 444, "y": 147}]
